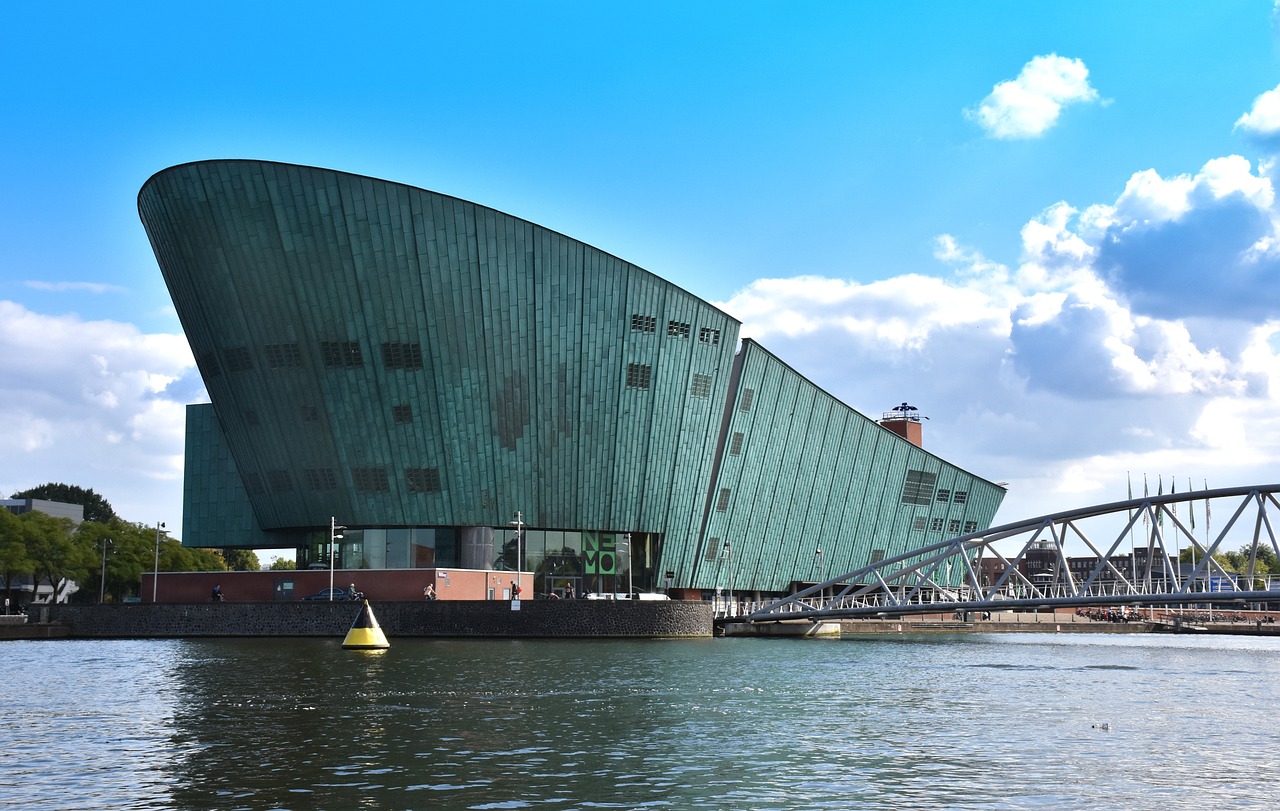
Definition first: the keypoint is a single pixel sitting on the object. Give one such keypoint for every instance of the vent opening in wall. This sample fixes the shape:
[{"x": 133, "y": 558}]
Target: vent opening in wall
[
  {"x": 713, "y": 549},
  {"x": 396, "y": 355},
  {"x": 677, "y": 329},
  {"x": 643, "y": 323},
  {"x": 745, "y": 403},
  {"x": 722, "y": 503}
]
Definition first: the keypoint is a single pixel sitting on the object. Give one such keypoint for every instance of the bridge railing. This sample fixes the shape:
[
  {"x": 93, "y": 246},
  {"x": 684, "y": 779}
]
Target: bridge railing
[{"x": 952, "y": 575}]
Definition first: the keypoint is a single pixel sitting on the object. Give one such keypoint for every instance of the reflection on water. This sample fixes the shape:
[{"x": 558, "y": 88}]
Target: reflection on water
[{"x": 964, "y": 722}]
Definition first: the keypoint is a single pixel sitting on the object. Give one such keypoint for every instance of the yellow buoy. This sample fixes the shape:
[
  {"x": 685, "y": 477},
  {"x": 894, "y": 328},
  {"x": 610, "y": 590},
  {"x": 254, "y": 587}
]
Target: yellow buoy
[{"x": 365, "y": 633}]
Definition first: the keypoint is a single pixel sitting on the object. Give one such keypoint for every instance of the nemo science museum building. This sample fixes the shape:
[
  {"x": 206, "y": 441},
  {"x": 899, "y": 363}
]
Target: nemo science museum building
[{"x": 420, "y": 369}]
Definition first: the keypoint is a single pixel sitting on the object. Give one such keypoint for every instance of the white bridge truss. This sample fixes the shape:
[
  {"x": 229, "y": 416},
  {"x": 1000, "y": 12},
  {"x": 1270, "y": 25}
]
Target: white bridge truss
[{"x": 1132, "y": 567}]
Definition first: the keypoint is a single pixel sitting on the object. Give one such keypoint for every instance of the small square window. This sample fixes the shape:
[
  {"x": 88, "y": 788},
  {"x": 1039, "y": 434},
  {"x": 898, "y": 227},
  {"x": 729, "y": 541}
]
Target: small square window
[
  {"x": 919, "y": 524},
  {"x": 238, "y": 359},
  {"x": 735, "y": 444},
  {"x": 638, "y": 375},
  {"x": 935, "y": 525},
  {"x": 944, "y": 495},
  {"x": 701, "y": 386},
  {"x": 707, "y": 335},
  {"x": 953, "y": 525},
  {"x": 643, "y": 323},
  {"x": 402, "y": 414},
  {"x": 960, "y": 497},
  {"x": 677, "y": 329}
]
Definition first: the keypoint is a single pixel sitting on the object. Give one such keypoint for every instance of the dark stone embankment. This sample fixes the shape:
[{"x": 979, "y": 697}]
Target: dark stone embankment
[{"x": 534, "y": 619}]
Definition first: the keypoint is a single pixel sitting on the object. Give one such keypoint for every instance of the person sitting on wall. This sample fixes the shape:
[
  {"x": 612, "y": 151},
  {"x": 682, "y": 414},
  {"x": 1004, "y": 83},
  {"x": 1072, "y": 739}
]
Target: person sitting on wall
[
  {"x": 217, "y": 594},
  {"x": 429, "y": 593}
]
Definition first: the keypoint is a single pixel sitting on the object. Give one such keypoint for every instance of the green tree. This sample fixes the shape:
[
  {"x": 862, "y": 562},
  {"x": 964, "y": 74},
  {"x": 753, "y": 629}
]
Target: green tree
[
  {"x": 282, "y": 564},
  {"x": 14, "y": 561},
  {"x": 96, "y": 508},
  {"x": 241, "y": 560},
  {"x": 58, "y": 553}
]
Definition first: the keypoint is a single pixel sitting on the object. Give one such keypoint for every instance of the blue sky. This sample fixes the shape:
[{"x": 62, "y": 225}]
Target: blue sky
[{"x": 1053, "y": 227}]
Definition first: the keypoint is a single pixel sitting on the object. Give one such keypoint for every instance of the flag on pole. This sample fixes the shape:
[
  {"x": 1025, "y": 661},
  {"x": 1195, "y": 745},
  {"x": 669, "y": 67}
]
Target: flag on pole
[{"x": 1191, "y": 505}]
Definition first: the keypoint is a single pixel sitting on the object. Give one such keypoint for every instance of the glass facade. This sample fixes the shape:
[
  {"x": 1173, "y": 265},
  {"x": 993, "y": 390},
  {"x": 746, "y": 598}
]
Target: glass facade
[{"x": 587, "y": 561}]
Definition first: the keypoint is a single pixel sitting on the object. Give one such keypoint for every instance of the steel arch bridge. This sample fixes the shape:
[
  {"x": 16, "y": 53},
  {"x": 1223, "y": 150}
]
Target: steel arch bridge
[{"x": 1135, "y": 566}]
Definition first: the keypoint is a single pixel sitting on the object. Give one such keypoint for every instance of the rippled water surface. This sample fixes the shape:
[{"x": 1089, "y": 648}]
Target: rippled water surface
[{"x": 987, "y": 721}]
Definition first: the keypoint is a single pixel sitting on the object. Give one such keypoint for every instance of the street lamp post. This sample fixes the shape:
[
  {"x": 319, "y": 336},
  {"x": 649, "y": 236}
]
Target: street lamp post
[
  {"x": 626, "y": 537},
  {"x": 728, "y": 554},
  {"x": 335, "y": 534},
  {"x": 155, "y": 576},
  {"x": 519, "y": 522},
  {"x": 102, "y": 582}
]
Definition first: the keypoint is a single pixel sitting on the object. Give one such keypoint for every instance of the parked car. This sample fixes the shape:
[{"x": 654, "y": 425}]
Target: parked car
[{"x": 338, "y": 593}]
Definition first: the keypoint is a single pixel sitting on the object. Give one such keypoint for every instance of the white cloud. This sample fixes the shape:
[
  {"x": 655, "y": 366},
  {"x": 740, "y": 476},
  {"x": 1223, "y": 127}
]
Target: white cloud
[
  {"x": 1026, "y": 107},
  {"x": 78, "y": 287},
  {"x": 1263, "y": 118},
  {"x": 1132, "y": 335},
  {"x": 95, "y": 404}
]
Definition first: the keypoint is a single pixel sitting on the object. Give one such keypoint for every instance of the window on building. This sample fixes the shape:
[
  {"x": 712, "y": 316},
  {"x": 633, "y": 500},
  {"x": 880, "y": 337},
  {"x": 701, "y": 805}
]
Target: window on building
[
  {"x": 701, "y": 386},
  {"x": 238, "y": 359},
  {"x": 953, "y": 525},
  {"x": 944, "y": 495},
  {"x": 253, "y": 483},
  {"x": 877, "y": 555},
  {"x": 370, "y": 479},
  {"x": 310, "y": 413},
  {"x": 935, "y": 525},
  {"x": 638, "y": 375},
  {"x": 919, "y": 524},
  {"x": 918, "y": 487},
  {"x": 960, "y": 497},
  {"x": 209, "y": 364},
  {"x": 643, "y": 323},
  {"x": 423, "y": 479},
  {"x": 283, "y": 356},
  {"x": 402, "y": 414},
  {"x": 707, "y": 335},
  {"x": 745, "y": 403},
  {"x": 722, "y": 503},
  {"x": 713, "y": 549},
  {"x": 341, "y": 354},
  {"x": 970, "y": 526},
  {"x": 735, "y": 444},
  {"x": 677, "y": 329},
  {"x": 399, "y": 355},
  {"x": 279, "y": 481},
  {"x": 320, "y": 479}
]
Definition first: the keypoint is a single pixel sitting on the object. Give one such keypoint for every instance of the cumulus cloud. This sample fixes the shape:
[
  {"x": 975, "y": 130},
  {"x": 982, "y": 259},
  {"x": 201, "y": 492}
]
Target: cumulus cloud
[
  {"x": 1137, "y": 334},
  {"x": 1263, "y": 118},
  {"x": 93, "y": 403},
  {"x": 1028, "y": 106}
]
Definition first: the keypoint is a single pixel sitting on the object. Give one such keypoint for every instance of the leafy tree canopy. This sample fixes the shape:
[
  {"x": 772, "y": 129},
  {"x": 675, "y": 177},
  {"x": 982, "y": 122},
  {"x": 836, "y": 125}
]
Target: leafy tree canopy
[
  {"x": 96, "y": 508},
  {"x": 241, "y": 560}
]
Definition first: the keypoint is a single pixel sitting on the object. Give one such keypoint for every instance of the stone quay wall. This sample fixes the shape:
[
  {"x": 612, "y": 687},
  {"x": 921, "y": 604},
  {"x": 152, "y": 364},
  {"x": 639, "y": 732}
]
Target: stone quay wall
[{"x": 440, "y": 618}]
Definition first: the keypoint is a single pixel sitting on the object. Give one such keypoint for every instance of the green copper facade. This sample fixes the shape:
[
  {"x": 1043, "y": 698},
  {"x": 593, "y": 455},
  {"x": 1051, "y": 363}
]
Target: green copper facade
[{"x": 402, "y": 359}]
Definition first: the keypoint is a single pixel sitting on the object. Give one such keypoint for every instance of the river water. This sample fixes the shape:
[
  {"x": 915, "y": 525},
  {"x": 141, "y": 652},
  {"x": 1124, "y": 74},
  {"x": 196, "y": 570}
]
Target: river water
[{"x": 984, "y": 721}]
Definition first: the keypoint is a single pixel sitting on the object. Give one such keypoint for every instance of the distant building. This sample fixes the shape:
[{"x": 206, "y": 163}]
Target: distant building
[
  {"x": 57, "y": 509},
  {"x": 422, "y": 370}
]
